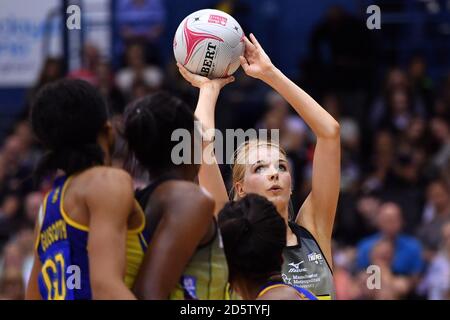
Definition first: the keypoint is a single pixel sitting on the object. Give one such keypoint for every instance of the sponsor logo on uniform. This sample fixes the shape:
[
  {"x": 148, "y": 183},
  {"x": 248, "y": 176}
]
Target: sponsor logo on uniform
[
  {"x": 315, "y": 257},
  {"x": 295, "y": 267},
  {"x": 190, "y": 287},
  {"x": 286, "y": 279}
]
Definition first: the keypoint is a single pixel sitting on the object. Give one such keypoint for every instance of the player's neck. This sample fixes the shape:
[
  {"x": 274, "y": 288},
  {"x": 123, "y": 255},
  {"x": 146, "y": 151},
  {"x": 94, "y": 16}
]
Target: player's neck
[{"x": 284, "y": 212}]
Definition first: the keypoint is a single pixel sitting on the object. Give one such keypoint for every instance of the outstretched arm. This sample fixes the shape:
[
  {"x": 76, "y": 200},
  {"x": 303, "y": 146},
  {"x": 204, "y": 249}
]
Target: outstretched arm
[
  {"x": 318, "y": 212},
  {"x": 209, "y": 176}
]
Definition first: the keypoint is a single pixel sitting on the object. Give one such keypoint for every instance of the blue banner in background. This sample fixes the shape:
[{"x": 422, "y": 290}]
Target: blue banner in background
[{"x": 24, "y": 27}]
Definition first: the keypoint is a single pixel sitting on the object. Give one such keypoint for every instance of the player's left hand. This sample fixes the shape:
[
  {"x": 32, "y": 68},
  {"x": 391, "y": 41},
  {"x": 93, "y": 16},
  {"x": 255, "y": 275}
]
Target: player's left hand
[
  {"x": 203, "y": 82},
  {"x": 255, "y": 62}
]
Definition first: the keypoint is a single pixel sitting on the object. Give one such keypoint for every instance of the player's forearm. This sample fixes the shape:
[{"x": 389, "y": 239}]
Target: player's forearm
[
  {"x": 209, "y": 175},
  {"x": 109, "y": 290},
  {"x": 321, "y": 122},
  {"x": 206, "y": 106}
]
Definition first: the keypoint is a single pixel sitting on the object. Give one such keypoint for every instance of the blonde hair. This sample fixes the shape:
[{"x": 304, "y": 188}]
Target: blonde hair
[{"x": 241, "y": 154}]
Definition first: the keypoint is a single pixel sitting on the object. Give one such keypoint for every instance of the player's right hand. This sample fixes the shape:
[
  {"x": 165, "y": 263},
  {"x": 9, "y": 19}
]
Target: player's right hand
[{"x": 203, "y": 82}]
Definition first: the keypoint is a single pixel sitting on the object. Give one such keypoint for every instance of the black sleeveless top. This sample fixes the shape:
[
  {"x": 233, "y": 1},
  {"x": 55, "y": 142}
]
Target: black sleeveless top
[{"x": 305, "y": 265}]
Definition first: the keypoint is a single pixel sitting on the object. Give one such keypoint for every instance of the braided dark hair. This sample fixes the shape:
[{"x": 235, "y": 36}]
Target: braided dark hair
[
  {"x": 67, "y": 117},
  {"x": 149, "y": 124}
]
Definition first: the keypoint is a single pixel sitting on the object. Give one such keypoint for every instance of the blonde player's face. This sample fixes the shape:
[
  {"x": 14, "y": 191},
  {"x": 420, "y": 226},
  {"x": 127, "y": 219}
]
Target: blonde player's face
[{"x": 267, "y": 174}]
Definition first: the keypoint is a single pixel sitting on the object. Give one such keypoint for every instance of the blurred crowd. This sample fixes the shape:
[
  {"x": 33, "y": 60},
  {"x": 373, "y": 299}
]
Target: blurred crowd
[{"x": 394, "y": 207}]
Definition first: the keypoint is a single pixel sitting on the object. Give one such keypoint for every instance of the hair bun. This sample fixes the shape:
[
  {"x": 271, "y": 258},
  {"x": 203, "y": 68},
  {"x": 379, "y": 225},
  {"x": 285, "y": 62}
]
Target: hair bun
[{"x": 247, "y": 225}]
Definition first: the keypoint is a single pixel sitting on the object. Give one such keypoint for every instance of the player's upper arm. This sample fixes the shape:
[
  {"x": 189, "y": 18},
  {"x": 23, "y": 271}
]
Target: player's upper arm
[
  {"x": 187, "y": 214},
  {"x": 110, "y": 200},
  {"x": 319, "y": 210}
]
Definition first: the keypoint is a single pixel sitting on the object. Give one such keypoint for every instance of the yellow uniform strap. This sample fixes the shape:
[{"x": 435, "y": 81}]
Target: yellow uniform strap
[{"x": 301, "y": 296}]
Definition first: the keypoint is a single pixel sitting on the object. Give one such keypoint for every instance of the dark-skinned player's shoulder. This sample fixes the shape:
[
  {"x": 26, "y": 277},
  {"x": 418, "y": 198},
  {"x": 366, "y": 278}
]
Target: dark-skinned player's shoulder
[
  {"x": 281, "y": 293},
  {"x": 102, "y": 178}
]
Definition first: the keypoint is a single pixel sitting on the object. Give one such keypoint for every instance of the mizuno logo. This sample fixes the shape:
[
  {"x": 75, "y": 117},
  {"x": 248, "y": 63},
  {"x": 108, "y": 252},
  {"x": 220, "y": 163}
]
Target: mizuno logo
[{"x": 296, "y": 265}]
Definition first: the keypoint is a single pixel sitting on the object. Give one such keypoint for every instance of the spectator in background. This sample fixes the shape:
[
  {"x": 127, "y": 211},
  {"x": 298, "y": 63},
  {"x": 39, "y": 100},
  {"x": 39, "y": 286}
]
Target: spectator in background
[
  {"x": 52, "y": 70},
  {"x": 445, "y": 173},
  {"x": 381, "y": 163},
  {"x": 346, "y": 284},
  {"x": 90, "y": 60},
  {"x": 398, "y": 111},
  {"x": 436, "y": 282},
  {"x": 25, "y": 240},
  {"x": 350, "y": 158},
  {"x": 139, "y": 89},
  {"x": 440, "y": 130},
  {"x": 17, "y": 172},
  {"x": 396, "y": 100},
  {"x": 11, "y": 285},
  {"x": 31, "y": 151},
  {"x": 438, "y": 200},
  {"x": 407, "y": 255},
  {"x": 243, "y": 103},
  {"x": 276, "y": 114},
  {"x": 12, "y": 258},
  {"x": 392, "y": 286},
  {"x": 141, "y": 20},
  {"x": 397, "y": 175},
  {"x": 108, "y": 88},
  {"x": 416, "y": 133},
  {"x": 33, "y": 202},
  {"x": 9, "y": 217},
  {"x": 442, "y": 104},
  {"x": 137, "y": 69},
  {"x": 422, "y": 84},
  {"x": 341, "y": 51},
  {"x": 356, "y": 218}
]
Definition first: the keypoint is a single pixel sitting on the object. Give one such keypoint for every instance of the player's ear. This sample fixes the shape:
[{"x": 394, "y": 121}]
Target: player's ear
[{"x": 239, "y": 189}]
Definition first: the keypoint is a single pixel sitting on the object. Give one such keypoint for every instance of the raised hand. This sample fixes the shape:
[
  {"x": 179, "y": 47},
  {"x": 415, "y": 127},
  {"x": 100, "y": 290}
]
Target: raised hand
[{"x": 255, "y": 62}]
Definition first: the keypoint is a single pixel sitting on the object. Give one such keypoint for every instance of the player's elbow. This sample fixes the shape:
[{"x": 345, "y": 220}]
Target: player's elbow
[
  {"x": 100, "y": 289},
  {"x": 333, "y": 130}
]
